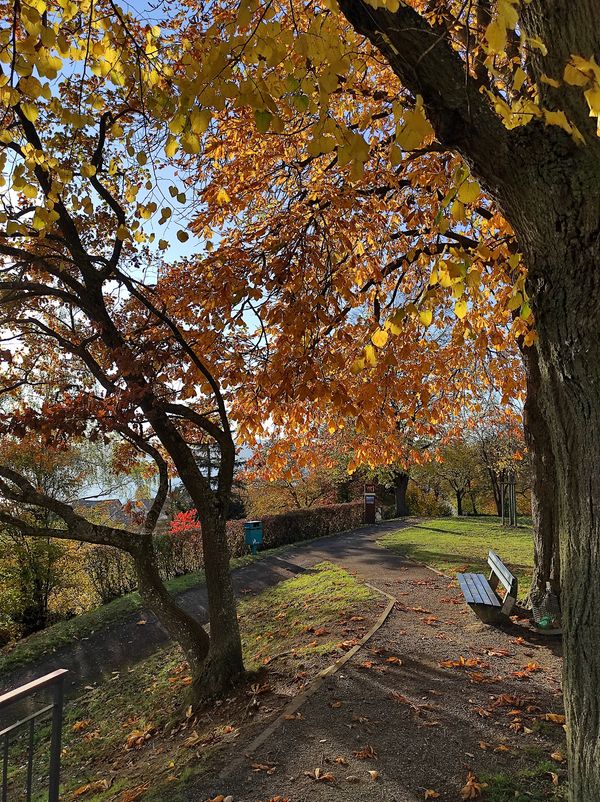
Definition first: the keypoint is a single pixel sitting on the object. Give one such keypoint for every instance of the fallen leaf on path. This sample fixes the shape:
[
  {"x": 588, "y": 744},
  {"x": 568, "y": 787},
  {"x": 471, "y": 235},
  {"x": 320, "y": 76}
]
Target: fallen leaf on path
[
  {"x": 431, "y": 794},
  {"x": 98, "y": 785},
  {"x": 403, "y": 700},
  {"x": 472, "y": 788},
  {"x": 395, "y": 660},
  {"x": 553, "y": 777},
  {"x": 321, "y": 776},
  {"x": 499, "y": 653},
  {"x": 335, "y": 704},
  {"x": 293, "y": 716},
  {"x": 134, "y": 793},
  {"x": 352, "y": 778},
  {"x": 366, "y": 753},
  {"x": 341, "y": 761},
  {"x": 268, "y": 768},
  {"x": 141, "y": 622},
  {"x": 139, "y": 737},
  {"x": 374, "y": 775},
  {"x": 556, "y": 718},
  {"x": 558, "y": 757},
  {"x": 81, "y": 725}
]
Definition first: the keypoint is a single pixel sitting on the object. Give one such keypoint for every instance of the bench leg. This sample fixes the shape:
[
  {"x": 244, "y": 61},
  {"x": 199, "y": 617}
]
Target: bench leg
[{"x": 489, "y": 615}]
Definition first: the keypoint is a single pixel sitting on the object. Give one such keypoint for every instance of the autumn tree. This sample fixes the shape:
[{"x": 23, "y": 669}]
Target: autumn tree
[
  {"x": 514, "y": 90},
  {"x": 513, "y": 93},
  {"x": 82, "y": 315}
]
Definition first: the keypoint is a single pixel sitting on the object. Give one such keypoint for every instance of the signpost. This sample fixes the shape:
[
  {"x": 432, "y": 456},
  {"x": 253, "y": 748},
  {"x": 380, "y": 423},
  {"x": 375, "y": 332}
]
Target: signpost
[
  {"x": 508, "y": 498},
  {"x": 369, "y": 503}
]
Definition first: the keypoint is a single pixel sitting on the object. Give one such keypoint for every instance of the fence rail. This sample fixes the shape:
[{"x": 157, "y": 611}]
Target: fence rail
[{"x": 54, "y": 682}]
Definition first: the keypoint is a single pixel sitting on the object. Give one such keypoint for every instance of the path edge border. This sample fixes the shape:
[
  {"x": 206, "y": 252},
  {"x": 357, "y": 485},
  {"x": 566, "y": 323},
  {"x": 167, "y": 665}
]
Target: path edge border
[{"x": 293, "y": 706}]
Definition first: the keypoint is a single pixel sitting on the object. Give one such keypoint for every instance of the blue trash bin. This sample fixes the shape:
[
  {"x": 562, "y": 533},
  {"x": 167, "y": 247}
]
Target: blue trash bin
[{"x": 253, "y": 534}]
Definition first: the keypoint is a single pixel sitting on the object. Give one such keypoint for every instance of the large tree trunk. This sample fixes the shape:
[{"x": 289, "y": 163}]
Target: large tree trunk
[
  {"x": 459, "y": 498},
  {"x": 548, "y": 188},
  {"x": 544, "y": 498},
  {"x": 568, "y": 321},
  {"x": 181, "y": 626},
  {"x": 400, "y": 487},
  {"x": 224, "y": 664}
]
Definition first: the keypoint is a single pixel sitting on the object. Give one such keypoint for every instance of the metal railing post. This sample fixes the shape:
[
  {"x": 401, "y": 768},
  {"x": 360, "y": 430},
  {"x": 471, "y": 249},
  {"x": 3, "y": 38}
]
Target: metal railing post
[
  {"x": 55, "y": 741},
  {"x": 55, "y": 683}
]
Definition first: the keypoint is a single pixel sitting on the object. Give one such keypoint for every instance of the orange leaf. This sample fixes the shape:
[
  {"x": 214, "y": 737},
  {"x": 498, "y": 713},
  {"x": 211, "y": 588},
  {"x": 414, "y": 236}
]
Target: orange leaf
[{"x": 472, "y": 788}]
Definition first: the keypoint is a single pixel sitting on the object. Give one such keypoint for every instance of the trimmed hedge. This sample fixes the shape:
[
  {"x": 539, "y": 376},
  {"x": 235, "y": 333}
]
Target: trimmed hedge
[
  {"x": 297, "y": 525},
  {"x": 112, "y": 573}
]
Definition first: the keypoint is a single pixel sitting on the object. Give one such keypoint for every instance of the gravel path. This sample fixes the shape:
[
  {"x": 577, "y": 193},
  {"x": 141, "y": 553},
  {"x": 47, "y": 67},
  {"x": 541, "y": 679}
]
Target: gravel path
[{"x": 395, "y": 710}]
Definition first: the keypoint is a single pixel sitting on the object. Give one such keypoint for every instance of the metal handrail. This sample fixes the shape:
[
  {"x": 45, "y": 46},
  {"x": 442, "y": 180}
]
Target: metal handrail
[{"x": 55, "y": 682}]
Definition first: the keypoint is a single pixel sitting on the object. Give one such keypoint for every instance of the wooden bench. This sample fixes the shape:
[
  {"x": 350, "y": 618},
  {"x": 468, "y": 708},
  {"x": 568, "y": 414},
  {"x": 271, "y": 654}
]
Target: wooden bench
[{"x": 482, "y": 595}]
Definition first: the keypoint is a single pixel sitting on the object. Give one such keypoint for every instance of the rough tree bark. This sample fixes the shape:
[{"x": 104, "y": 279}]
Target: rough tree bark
[
  {"x": 544, "y": 498},
  {"x": 459, "y": 498},
  {"x": 548, "y": 188},
  {"x": 400, "y": 486}
]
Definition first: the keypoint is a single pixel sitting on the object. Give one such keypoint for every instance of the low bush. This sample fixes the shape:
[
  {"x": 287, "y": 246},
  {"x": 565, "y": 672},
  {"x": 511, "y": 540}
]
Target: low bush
[{"x": 425, "y": 503}]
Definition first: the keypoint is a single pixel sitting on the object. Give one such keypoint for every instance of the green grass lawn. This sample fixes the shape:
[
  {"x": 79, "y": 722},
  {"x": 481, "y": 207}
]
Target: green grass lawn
[
  {"x": 119, "y": 736},
  {"x": 461, "y": 544}
]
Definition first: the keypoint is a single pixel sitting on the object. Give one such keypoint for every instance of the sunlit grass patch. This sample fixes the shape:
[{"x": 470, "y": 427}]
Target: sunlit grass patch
[
  {"x": 461, "y": 544},
  {"x": 130, "y": 729}
]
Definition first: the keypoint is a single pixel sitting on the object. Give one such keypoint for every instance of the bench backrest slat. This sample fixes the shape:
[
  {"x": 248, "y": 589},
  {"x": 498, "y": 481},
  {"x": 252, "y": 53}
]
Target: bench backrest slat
[{"x": 501, "y": 571}]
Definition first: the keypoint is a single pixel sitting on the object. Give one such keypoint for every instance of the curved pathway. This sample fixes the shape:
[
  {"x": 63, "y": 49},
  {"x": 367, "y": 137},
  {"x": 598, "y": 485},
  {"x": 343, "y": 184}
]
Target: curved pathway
[{"x": 123, "y": 643}]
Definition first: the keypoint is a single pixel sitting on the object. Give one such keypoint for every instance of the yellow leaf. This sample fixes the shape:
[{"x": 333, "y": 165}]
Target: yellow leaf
[
  {"x": 30, "y": 111},
  {"x": 592, "y": 95},
  {"x": 88, "y": 170},
  {"x": 263, "y": 120},
  {"x": 171, "y": 147},
  {"x": 495, "y": 35},
  {"x": 370, "y": 356},
  {"x": 200, "y": 120},
  {"x": 468, "y": 191},
  {"x": 357, "y": 366},
  {"x": 460, "y": 309},
  {"x": 190, "y": 143},
  {"x": 222, "y": 197},
  {"x": 557, "y": 118},
  {"x": 426, "y": 316},
  {"x": 515, "y": 301},
  {"x": 519, "y": 78},
  {"x": 546, "y": 79},
  {"x": 416, "y": 129},
  {"x": 575, "y": 76},
  {"x": 379, "y": 338}
]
